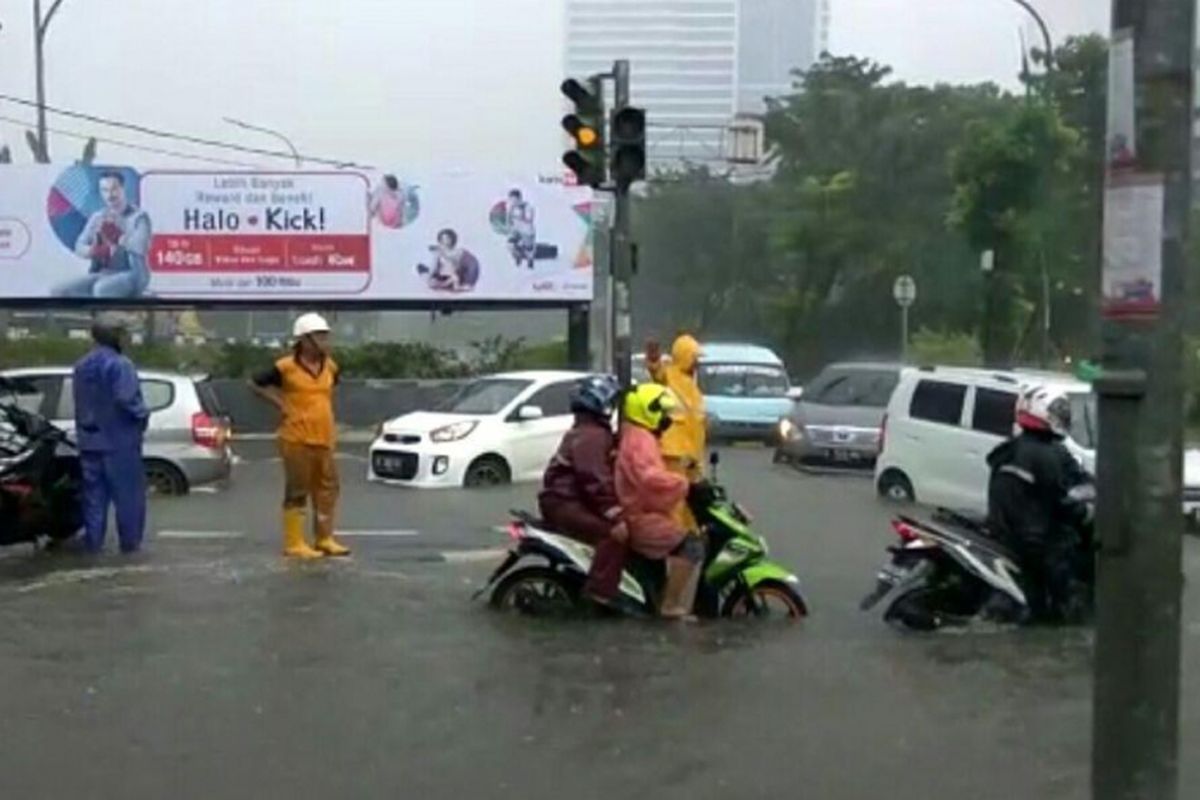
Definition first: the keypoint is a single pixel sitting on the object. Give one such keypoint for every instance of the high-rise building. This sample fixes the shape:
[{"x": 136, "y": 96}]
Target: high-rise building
[
  {"x": 776, "y": 37},
  {"x": 696, "y": 63}
]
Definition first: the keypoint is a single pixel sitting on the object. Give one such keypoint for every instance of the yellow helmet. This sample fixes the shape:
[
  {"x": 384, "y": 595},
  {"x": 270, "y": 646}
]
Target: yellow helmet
[{"x": 650, "y": 406}]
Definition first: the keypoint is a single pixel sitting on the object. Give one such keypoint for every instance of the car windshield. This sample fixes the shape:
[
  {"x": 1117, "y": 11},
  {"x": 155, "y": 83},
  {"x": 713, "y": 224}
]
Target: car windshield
[
  {"x": 1084, "y": 422},
  {"x": 743, "y": 380},
  {"x": 487, "y": 396}
]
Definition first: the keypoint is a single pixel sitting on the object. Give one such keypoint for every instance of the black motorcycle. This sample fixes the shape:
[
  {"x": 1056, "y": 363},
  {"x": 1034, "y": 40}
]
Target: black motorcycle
[
  {"x": 40, "y": 482},
  {"x": 949, "y": 571}
]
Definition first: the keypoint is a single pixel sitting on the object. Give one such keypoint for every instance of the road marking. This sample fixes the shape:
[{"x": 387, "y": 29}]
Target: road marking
[
  {"x": 201, "y": 535},
  {"x": 473, "y": 556},
  {"x": 394, "y": 534}
]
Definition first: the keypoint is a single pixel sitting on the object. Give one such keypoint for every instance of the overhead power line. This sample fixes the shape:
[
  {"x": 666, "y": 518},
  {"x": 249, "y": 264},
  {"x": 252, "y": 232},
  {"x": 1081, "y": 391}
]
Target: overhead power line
[
  {"x": 133, "y": 146},
  {"x": 179, "y": 137}
]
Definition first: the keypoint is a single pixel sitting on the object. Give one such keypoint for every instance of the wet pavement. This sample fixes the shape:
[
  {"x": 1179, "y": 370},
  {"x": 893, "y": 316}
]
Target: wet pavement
[{"x": 207, "y": 667}]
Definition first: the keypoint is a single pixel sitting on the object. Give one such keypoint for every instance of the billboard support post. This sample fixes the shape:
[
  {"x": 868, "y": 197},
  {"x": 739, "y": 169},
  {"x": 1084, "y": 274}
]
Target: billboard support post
[{"x": 579, "y": 328}]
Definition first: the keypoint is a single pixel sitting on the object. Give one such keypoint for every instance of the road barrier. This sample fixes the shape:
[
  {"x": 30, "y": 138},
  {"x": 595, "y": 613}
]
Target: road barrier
[{"x": 361, "y": 404}]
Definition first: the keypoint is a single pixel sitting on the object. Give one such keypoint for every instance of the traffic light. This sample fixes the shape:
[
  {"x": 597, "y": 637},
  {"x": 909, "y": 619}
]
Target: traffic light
[
  {"x": 629, "y": 146},
  {"x": 588, "y": 160}
]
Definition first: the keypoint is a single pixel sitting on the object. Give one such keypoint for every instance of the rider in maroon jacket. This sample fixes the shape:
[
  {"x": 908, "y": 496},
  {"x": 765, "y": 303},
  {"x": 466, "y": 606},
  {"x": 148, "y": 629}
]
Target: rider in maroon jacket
[{"x": 578, "y": 494}]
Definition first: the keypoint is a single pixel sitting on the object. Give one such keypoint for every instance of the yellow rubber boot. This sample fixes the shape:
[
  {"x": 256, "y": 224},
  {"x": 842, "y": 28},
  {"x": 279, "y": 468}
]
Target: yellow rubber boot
[
  {"x": 332, "y": 547},
  {"x": 294, "y": 545},
  {"x": 324, "y": 535}
]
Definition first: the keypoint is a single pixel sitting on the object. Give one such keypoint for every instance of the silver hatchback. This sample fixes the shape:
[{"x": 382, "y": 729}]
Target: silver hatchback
[
  {"x": 838, "y": 419},
  {"x": 187, "y": 442}
]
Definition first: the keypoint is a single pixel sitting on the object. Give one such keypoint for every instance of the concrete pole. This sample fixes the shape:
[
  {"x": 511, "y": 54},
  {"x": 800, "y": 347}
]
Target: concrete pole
[{"x": 1135, "y": 738}]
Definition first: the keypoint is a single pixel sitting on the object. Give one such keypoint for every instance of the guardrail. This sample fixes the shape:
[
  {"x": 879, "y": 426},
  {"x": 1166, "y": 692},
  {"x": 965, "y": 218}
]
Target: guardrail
[{"x": 360, "y": 404}]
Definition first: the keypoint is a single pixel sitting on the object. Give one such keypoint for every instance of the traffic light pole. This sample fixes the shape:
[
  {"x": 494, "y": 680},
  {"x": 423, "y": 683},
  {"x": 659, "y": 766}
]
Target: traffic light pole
[
  {"x": 1137, "y": 660},
  {"x": 621, "y": 254}
]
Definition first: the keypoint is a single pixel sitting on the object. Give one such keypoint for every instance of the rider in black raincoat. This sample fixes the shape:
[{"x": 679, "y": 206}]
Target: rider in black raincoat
[{"x": 1038, "y": 505}]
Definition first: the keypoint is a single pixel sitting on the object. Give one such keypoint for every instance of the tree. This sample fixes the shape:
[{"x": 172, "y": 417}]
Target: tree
[
  {"x": 864, "y": 189},
  {"x": 702, "y": 244},
  {"x": 998, "y": 172}
]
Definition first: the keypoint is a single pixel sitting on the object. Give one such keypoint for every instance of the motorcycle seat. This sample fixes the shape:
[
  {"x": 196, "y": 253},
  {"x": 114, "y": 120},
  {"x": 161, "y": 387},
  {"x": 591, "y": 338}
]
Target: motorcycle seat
[{"x": 532, "y": 520}]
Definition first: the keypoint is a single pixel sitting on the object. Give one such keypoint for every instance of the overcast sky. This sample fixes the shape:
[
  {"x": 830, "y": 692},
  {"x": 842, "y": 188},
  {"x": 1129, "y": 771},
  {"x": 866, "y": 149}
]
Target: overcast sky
[{"x": 413, "y": 83}]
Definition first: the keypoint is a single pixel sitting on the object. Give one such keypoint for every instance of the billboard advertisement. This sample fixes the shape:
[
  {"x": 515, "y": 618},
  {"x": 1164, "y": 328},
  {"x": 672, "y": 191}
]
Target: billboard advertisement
[{"x": 126, "y": 236}]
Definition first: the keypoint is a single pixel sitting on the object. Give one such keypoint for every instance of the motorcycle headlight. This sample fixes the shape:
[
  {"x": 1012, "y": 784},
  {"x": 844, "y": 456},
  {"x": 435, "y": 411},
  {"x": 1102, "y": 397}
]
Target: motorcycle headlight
[
  {"x": 453, "y": 433},
  {"x": 788, "y": 430}
]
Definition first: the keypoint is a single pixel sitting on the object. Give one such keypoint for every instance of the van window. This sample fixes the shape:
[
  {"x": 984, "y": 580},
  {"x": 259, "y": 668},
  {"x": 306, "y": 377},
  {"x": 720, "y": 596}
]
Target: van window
[
  {"x": 1084, "y": 419},
  {"x": 995, "y": 412},
  {"x": 743, "y": 380},
  {"x": 936, "y": 401}
]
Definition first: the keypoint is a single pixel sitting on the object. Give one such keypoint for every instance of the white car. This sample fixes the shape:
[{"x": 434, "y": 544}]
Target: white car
[
  {"x": 495, "y": 430},
  {"x": 942, "y": 423}
]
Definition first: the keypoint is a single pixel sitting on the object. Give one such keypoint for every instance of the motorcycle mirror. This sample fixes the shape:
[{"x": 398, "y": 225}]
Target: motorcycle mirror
[{"x": 714, "y": 459}]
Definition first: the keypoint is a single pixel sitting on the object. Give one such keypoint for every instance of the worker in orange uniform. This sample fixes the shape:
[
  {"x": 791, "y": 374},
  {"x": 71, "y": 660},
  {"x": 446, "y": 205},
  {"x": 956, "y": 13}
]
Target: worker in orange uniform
[
  {"x": 301, "y": 386},
  {"x": 685, "y": 442}
]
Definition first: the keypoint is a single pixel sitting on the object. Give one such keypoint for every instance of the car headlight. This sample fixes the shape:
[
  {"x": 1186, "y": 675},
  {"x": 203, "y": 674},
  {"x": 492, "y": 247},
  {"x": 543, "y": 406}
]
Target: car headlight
[
  {"x": 788, "y": 430},
  {"x": 452, "y": 433}
]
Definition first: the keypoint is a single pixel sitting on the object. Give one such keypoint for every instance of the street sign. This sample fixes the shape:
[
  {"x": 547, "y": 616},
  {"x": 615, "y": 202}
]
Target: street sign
[{"x": 905, "y": 291}]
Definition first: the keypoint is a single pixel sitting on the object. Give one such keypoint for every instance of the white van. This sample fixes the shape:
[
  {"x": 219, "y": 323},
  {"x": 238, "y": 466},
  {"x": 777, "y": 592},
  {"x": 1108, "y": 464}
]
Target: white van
[{"x": 942, "y": 423}]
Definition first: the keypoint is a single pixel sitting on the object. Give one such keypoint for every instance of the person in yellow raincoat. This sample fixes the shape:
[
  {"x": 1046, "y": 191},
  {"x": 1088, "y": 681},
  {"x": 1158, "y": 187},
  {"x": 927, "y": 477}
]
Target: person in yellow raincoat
[{"x": 686, "y": 441}]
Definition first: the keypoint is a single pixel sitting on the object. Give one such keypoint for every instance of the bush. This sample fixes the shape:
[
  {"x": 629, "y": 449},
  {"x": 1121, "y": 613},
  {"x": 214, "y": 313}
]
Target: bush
[
  {"x": 945, "y": 349},
  {"x": 380, "y": 360}
]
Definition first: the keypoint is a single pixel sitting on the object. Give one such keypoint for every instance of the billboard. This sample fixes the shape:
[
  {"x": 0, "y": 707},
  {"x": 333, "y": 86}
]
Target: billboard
[{"x": 116, "y": 234}]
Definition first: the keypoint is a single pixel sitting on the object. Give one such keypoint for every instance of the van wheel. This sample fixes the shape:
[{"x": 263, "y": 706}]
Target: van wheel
[
  {"x": 487, "y": 471},
  {"x": 894, "y": 485},
  {"x": 165, "y": 479}
]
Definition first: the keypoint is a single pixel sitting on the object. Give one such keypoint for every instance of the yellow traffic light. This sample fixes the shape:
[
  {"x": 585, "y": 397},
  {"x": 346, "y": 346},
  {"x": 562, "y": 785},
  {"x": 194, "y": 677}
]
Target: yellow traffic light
[{"x": 587, "y": 136}]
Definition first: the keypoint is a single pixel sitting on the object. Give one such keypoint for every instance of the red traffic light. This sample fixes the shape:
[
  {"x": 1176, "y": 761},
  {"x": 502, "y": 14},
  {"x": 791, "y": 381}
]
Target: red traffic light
[{"x": 577, "y": 93}]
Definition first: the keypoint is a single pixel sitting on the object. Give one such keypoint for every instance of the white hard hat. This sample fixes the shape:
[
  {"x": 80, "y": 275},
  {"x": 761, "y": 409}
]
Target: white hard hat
[{"x": 306, "y": 324}]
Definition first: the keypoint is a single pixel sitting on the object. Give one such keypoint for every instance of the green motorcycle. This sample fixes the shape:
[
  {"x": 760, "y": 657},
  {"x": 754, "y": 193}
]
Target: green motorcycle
[{"x": 544, "y": 570}]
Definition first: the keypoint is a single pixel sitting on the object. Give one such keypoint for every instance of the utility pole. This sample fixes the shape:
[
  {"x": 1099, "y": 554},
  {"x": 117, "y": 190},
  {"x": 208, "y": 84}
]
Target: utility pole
[
  {"x": 41, "y": 26},
  {"x": 1135, "y": 739}
]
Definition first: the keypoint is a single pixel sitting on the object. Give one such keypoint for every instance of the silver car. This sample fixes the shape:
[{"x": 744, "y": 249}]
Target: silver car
[
  {"x": 187, "y": 442},
  {"x": 838, "y": 418}
]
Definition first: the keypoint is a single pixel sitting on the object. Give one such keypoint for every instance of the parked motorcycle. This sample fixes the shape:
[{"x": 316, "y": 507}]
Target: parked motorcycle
[
  {"x": 544, "y": 571},
  {"x": 39, "y": 478},
  {"x": 948, "y": 572}
]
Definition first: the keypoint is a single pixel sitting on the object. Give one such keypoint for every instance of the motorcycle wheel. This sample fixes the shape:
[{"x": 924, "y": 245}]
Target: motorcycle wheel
[
  {"x": 924, "y": 609},
  {"x": 536, "y": 591},
  {"x": 767, "y": 600}
]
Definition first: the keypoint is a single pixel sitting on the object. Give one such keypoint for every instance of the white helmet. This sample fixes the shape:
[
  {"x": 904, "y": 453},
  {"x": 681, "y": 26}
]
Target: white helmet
[
  {"x": 1043, "y": 409},
  {"x": 307, "y": 324}
]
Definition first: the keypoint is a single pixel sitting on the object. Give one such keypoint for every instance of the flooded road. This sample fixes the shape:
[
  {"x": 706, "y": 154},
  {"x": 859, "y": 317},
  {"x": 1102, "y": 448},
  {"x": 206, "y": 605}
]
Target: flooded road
[{"x": 209, "y": 668}]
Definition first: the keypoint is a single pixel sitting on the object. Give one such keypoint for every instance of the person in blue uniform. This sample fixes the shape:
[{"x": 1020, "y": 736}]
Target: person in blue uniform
[{"x": 110, "y": 422}]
